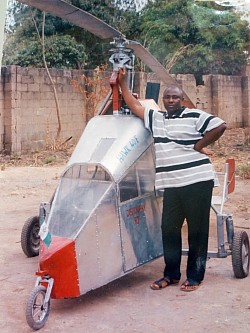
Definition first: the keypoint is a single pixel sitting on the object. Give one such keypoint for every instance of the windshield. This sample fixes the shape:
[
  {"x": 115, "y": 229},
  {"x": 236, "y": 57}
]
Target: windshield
[{"x": 79, "y": 191}]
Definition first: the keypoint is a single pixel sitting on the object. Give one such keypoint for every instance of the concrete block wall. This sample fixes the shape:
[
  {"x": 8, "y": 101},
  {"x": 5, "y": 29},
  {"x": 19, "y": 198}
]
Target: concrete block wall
[
  {"x": 28, "y": 120},
  {"x": 227, "y": 97},
  {"x": 245, "y": 101},
  {"x": 5, "y": 107},
  {"x": 204, "y": 95}
]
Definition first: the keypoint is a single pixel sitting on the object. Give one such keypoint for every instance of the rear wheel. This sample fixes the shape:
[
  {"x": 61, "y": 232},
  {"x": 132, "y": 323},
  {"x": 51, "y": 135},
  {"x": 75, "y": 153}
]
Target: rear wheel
[
  {"x": 30, "y": 239},
  {"x": 240, "y": 254},
  {"x": 36, "y": 312}
]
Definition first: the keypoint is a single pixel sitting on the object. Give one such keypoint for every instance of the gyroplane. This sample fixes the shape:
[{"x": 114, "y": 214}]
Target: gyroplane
[{"x": 104, "y": 218}]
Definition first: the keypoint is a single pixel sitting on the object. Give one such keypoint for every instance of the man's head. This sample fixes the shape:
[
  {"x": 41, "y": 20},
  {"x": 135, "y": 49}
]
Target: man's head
[{"x": 172, "y": 98}]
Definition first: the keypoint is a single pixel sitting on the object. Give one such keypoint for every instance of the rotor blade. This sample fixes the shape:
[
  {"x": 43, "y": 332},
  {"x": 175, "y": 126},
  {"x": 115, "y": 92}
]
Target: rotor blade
[
  {"x": 76, "y": 16},
  {"x": 157, "y": 68}
]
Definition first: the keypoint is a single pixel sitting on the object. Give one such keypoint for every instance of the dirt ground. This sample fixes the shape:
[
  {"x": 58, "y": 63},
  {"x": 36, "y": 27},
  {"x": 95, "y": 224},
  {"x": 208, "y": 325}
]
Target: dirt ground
[{"x": 222, "y": 303}]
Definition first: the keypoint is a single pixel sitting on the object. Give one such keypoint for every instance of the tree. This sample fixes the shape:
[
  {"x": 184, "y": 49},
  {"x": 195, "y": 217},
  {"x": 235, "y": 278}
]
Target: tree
[
  {"x": 23, "y": 47},
  {"x": 184, "y": 35},
  {"x": 124, "y": 19},
  {"x": 214, "y": 41},
  {"x": 61, "y": 52},
  {"x": 67, "y": 45}
]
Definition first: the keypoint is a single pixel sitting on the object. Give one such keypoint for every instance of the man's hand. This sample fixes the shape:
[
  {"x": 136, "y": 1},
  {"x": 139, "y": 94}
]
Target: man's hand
[
  {"x": 207, "y": 151},
  {"x": 209, "y": 137},
  {"x": 122, "y": 75},
  {"x": 132, "y": 103}
]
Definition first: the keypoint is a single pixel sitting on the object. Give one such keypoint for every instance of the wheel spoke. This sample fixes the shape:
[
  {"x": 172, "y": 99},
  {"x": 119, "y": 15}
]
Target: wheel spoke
[{"x": 37, "y": 312}]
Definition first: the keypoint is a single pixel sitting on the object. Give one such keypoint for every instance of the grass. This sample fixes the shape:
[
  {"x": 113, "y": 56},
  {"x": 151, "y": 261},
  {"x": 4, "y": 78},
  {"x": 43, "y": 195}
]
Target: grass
[
  {"x": 243, "y": 171},
  {"x": 49, "y": 159}
]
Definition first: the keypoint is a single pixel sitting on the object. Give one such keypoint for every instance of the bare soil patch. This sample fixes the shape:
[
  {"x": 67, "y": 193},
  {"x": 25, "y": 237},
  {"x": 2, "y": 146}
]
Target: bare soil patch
[{"x": 222, "y": 302}]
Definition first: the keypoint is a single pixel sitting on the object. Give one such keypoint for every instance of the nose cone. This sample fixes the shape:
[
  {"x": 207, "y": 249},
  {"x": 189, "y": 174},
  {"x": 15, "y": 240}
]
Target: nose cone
[{"x": 59, "y": 262}]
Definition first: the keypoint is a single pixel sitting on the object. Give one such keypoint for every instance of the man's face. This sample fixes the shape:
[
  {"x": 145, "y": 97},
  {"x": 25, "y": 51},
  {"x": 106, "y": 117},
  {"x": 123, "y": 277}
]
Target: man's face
[{"x": 172, "y": 98}]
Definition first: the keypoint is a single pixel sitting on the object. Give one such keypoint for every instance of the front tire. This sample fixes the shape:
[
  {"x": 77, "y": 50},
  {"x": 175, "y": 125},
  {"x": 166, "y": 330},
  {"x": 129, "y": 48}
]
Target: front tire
[
  {"x": 36, "y": 313},
  {"x": 240, "y": 254},
  {"x": 30, "y": 239}
]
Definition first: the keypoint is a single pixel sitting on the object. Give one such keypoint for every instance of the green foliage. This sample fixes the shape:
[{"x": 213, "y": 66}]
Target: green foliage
[
  {"x": 218, "y": 40},
  {"x": 49, "y": 159},
  {"x": 111, "y": 13},
  {"x": 23, "y": 46},
  {"x": 212, "y": 40},
  {"x": 61, "y": 52},
  {"x": 81, "y": 47}
]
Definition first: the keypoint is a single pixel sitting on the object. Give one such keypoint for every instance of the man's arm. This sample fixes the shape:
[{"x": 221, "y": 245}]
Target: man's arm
[
  {"x": 133, "y": 104},
  {"x": 210, "y": 137}
]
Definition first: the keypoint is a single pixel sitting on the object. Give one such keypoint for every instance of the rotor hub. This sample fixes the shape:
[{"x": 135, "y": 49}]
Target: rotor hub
[{"x": 121, "y": 56}]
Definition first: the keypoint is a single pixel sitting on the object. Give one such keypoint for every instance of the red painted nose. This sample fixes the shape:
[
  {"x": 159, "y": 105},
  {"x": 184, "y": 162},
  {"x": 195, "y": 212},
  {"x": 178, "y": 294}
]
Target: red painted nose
[{"x": 59, "y": 262}]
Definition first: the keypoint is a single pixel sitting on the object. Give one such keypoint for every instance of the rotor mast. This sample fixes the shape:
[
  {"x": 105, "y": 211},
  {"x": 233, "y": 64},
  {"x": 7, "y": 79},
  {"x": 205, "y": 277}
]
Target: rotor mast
[
  {"x": 121, "y": 57},
  {"x": 101, "y": 29}
]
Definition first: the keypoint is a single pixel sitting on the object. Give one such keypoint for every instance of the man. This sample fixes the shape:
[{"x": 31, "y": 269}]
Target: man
[{"x": 185, "y": 174}]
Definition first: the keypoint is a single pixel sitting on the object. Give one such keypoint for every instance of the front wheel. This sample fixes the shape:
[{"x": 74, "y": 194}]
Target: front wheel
[
  {"x": 240, "y": 254},
  {"x": 37, "y": 312},
  {"x": 30, "y": 239}
]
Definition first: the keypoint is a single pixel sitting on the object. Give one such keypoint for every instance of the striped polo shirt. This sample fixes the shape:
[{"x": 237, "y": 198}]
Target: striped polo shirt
[{"x": 177, "y": 163}]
